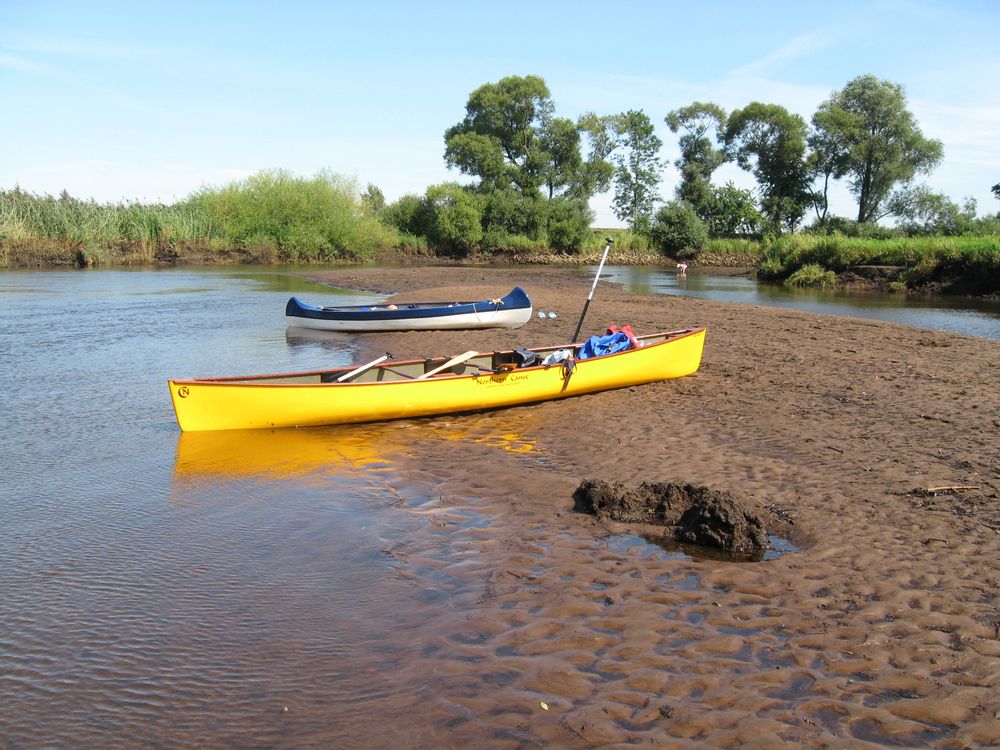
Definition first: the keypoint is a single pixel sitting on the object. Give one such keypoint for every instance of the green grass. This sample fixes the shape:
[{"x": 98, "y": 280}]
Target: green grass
[
  {"x": 271, "y": 216},
  {"x": 963, "y": 264}
]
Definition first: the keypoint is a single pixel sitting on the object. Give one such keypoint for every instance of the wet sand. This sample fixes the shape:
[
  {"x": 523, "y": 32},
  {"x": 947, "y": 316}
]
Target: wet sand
[{"x": 873, "y": 448}]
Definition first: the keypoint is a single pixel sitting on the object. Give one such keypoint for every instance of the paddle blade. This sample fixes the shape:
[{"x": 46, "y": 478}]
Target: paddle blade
[{"x": 450, "y": 363}]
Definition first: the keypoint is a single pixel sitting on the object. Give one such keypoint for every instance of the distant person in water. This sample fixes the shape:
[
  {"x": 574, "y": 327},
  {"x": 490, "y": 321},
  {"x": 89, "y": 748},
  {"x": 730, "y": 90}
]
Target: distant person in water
[{"x": 682, "y": 269}]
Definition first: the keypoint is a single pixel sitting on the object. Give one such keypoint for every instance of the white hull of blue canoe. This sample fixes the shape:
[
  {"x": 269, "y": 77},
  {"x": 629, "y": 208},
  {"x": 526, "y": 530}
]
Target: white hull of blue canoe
[{"x": 485, "y": 319}]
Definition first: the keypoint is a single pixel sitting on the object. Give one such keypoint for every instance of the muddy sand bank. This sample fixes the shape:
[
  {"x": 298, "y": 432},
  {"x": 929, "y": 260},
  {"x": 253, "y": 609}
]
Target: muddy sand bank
[{"x": 872, "y": 448}]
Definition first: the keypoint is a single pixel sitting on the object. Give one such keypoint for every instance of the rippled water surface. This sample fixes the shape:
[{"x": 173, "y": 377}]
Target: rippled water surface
[
  {"x": 150, "y": 586},
  {"x": 973, "y": 317},
  {"x": 200, "y": 590}
]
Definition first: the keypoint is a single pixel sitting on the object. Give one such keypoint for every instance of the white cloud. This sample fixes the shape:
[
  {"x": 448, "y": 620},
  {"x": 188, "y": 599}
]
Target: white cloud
[
  {"x": 800, "y": 46},
  {"x": 73, "y": 47},
  {"x": 15, "y": 62}
]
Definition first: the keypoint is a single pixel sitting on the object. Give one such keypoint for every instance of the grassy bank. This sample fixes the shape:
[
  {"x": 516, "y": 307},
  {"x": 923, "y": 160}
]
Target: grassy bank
[
  {"x": 274, "y": 217},
  {"x": 958, "y": 265}
]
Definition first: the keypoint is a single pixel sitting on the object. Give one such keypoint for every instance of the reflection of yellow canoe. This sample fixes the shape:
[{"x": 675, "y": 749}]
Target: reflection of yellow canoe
[
  {"x": 410, "y": 388},
  {"x": 288, "y": 452},
  {"x": 276, "y": 452}
]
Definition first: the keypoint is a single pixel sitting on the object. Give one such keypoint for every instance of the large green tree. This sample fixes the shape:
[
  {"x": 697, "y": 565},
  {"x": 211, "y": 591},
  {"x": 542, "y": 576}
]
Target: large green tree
[
  {"x": 874, "y": 140},
  {"x": 499, "y": 140},
  {"x": 522, "y": 154},
  {"x": 560, "y": 143},
  {"x": 770, "y": 142},
  {"x": 703, "y": 124},
  {"x": 637, "y": 168},
  {"x": 510, "y": 138}
]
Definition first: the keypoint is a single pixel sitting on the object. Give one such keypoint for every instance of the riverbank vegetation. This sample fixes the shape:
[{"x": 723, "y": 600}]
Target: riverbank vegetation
[{"x": 531, "y": 175}]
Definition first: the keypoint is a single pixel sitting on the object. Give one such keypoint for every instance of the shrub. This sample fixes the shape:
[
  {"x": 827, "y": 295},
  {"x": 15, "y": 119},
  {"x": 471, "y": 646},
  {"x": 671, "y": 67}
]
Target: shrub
[
  {"x": 812, "y": 275},
  {"x": 316, "y": 218},
  {"x": 568, "y": 224},
  {"x": 676, "y": 227},
  {"x": 770, "y": 268},
  {"x": 515, "y": 213},
  {"x": 410, "y": 215},
  {"x": 496, "y": 239},
  {"x": 456, "y": 217}
]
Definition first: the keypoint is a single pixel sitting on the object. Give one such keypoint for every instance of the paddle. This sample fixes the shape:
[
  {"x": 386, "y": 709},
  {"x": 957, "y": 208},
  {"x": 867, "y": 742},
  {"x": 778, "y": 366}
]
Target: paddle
[
  {"x": 604, "y": 257},
  {"x": 361, "y": 369},
  {"x": 450, "y": 363}
]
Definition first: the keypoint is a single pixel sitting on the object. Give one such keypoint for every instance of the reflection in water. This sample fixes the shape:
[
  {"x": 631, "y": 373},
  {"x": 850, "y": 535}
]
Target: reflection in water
[
  {"x": 970, "y": 316},
  {"x": 298, "y": 452},
  {"x": 778, "y": 546},
  {"x": 293, "y": 280},
  {"x": 314, "y": 338}
]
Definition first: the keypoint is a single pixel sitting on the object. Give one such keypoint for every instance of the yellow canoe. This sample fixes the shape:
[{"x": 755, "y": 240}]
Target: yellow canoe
[{"x": 401, "y": 389}]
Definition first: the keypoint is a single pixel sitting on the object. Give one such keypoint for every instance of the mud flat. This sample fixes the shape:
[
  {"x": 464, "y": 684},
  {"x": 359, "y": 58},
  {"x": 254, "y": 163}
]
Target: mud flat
[{"x": 874, "y": 449}]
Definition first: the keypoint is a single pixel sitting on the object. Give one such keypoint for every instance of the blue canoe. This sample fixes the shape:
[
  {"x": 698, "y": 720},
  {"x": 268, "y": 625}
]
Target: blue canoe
[{"x": 510, "y": 311}]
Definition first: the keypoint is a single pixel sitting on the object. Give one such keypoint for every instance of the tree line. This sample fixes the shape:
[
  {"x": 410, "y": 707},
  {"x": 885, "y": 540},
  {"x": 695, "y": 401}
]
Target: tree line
[
  {"x": 533, "y": 175},
  {"x": 534, "y": 172}
]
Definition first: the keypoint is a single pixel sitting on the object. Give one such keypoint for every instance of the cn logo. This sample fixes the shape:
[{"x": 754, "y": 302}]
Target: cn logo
[{"x": 182, "y": 391}]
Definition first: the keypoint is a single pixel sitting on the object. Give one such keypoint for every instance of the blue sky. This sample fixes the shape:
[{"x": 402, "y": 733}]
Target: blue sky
[{"x": 122, "y": 101}]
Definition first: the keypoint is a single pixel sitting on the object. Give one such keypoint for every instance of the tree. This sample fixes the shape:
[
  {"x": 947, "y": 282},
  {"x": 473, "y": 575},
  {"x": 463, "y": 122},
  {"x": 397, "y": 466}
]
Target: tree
[
  {"x": 769, "y": 141},
  {"x": 924, "y": 212},
  {"x": 637, "y": 168},
  {"x": 597, "y": 171},
  {"x": 732, "y": 211},
  {"x": 499, "y": 139},
  {"x": 511, "y": 141},
  {"x": 699, "y": 157},
  {"x": 560, "y": 143},
  {"x": 826, "y": 161},
  {"x": 996, "y": 191},
  {"x": 874, "y": 140}
]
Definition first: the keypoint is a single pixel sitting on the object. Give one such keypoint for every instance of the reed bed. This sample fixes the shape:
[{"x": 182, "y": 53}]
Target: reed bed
[{"x": 271, "y": 217}]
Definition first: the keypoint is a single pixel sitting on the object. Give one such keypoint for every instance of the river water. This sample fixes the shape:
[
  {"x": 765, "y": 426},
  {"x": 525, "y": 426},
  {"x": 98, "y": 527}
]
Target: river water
[
  {"x": 168, "y": 590},
  {"x": 970, "y": 316}
]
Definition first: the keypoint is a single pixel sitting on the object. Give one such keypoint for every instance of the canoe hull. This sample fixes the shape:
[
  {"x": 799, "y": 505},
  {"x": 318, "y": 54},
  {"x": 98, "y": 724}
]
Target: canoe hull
[
  {"x": 511, "y": 311},
  {"x": 236, "y": 403}
]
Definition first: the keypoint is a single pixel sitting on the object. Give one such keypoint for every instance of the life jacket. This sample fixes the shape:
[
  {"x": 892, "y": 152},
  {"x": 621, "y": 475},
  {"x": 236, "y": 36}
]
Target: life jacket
[{"x": 627, "y": 330}]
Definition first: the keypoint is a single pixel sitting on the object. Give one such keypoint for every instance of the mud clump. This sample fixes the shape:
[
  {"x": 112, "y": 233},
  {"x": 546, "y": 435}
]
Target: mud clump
[{"x": 693, "y": 514}]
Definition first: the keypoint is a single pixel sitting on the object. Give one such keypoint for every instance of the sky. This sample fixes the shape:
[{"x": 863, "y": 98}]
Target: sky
[{"x": 151, "y": 101}]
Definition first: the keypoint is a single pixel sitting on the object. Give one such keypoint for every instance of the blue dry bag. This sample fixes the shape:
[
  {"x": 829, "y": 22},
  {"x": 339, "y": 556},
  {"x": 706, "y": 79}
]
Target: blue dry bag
[{"x": 598, "y": 346}]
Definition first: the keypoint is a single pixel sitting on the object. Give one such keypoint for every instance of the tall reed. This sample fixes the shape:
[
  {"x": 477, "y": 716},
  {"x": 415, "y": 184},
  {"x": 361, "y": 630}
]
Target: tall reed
[
  {"x": 272, "y": 215},
  {"x": 320, "y": 218}
]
